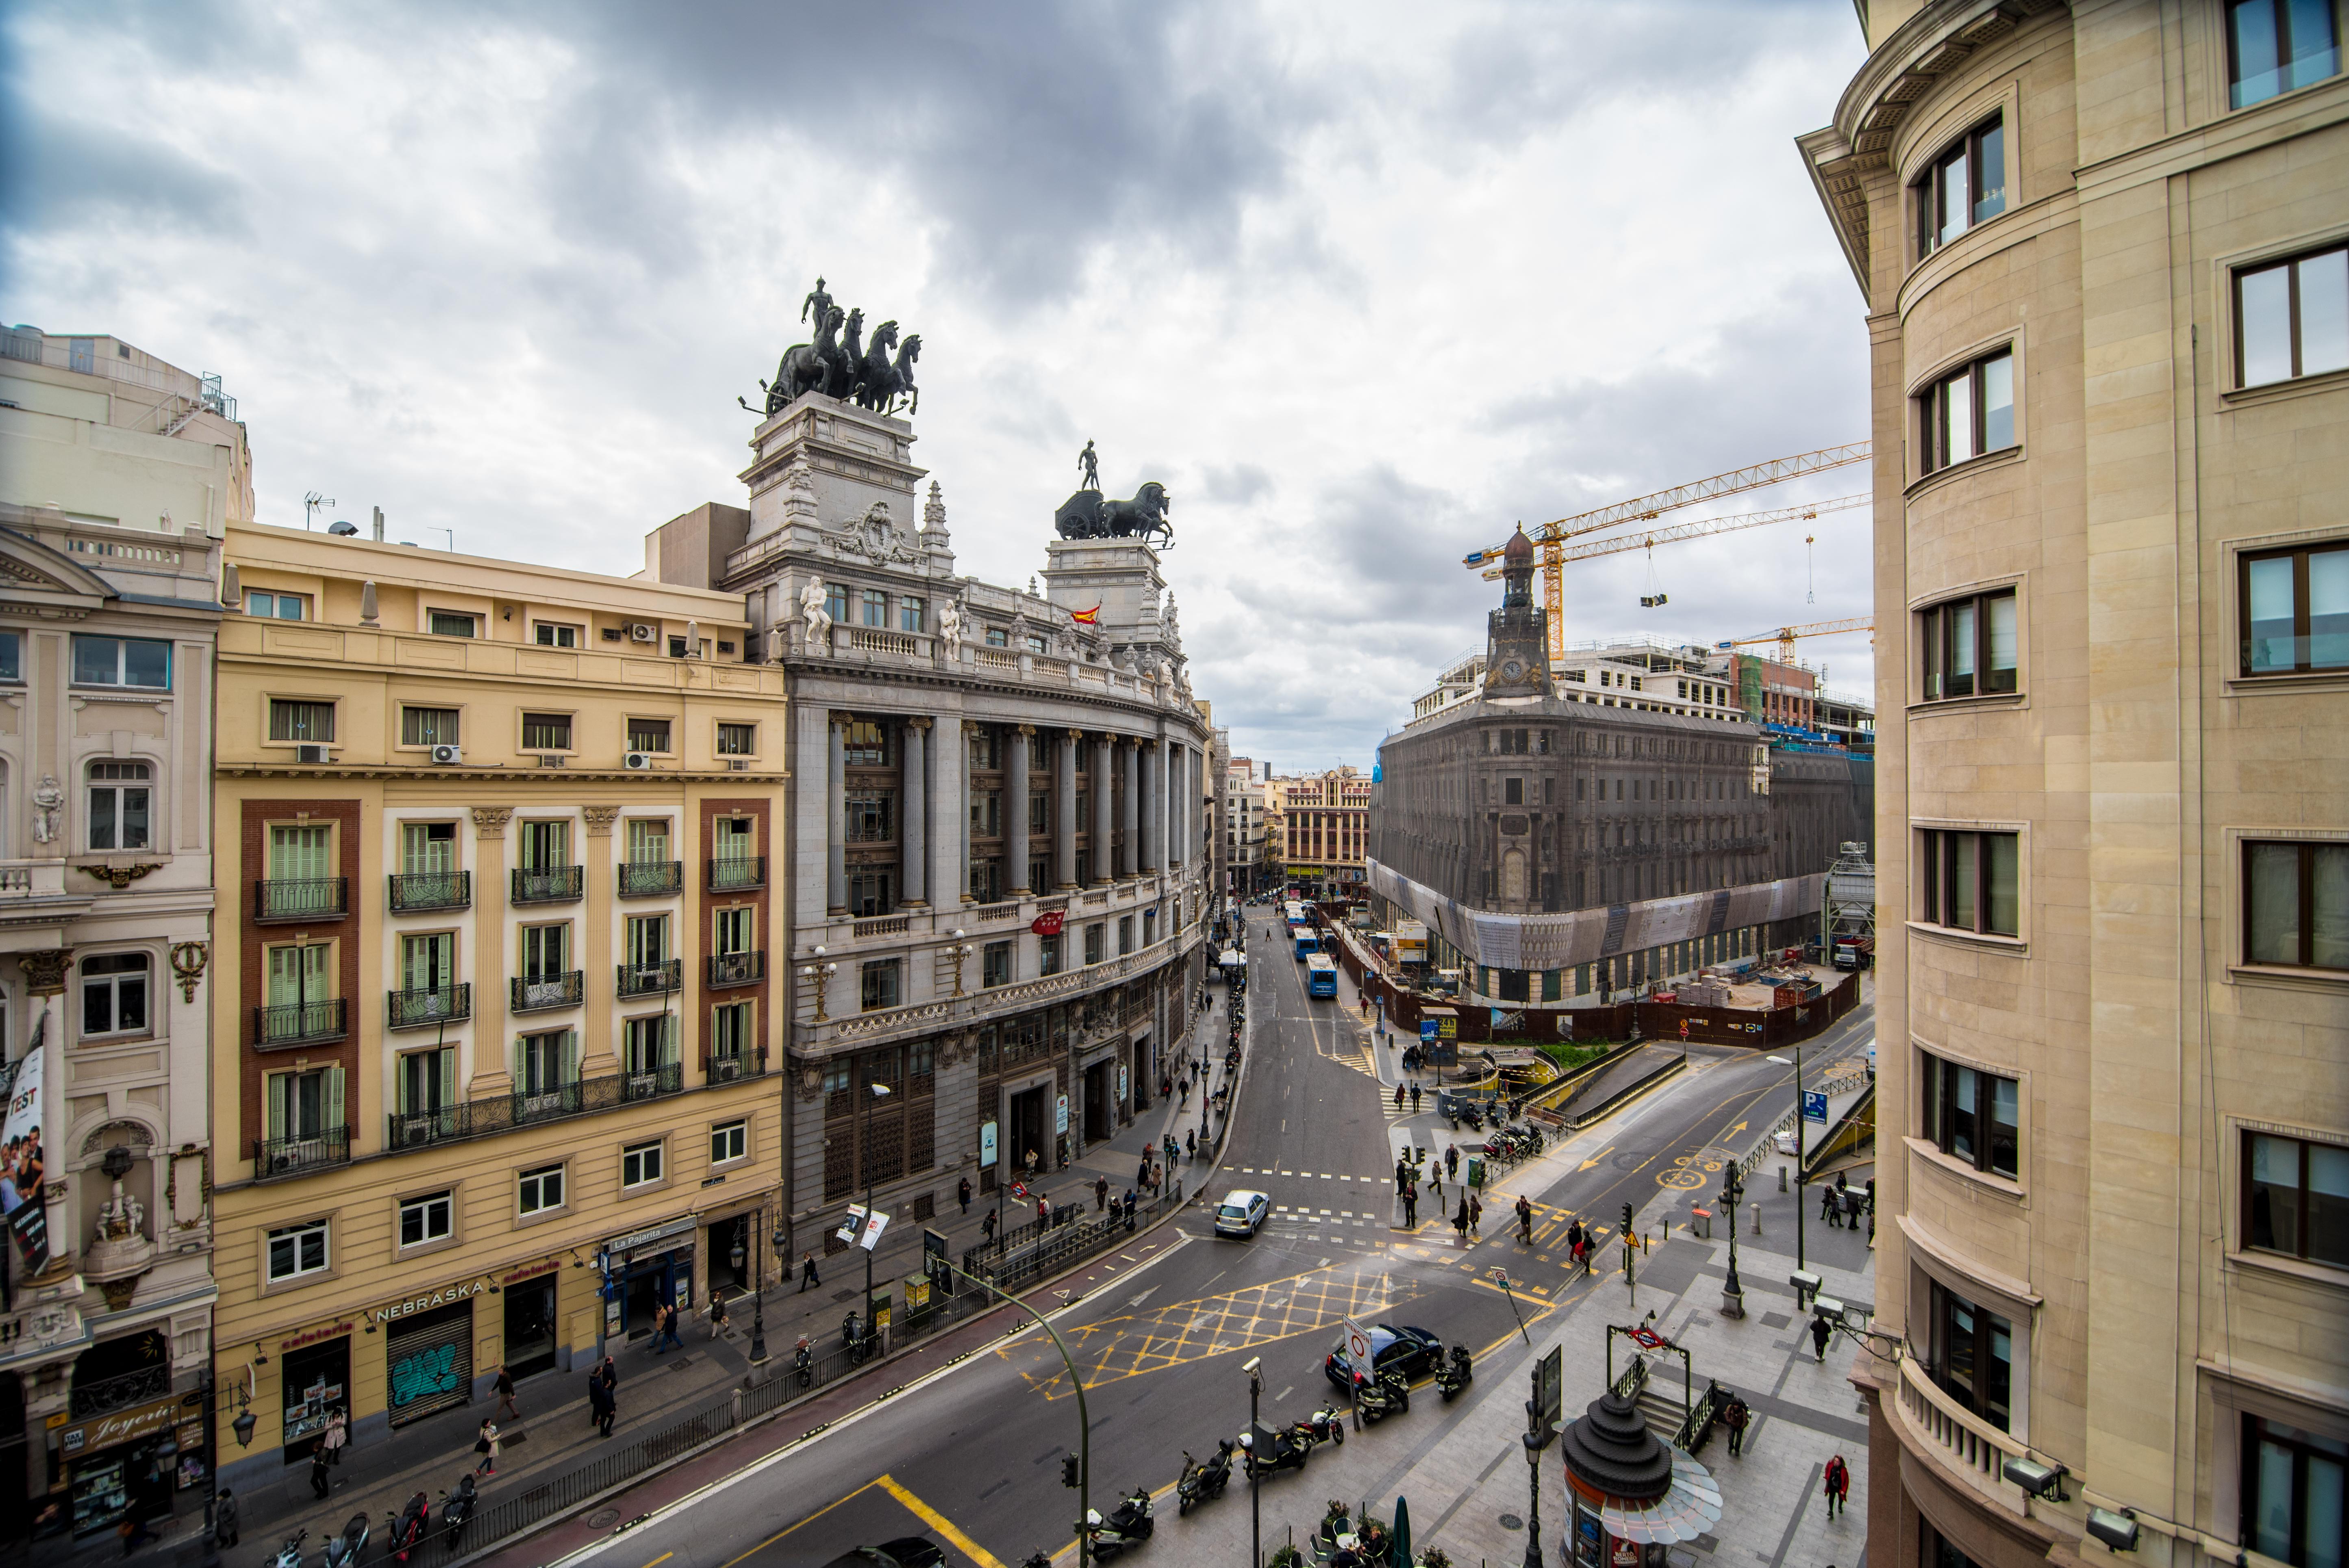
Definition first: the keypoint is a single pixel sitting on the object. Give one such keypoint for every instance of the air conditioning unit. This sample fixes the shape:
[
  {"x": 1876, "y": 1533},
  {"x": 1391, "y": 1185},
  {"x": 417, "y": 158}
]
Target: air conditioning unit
[
  {"x": 737, "y": 765},
  {"x": 725, "y": 1069},
  {"x": 447, "y": 756},
  {"x": 640, "y": 632},
  {"x": 312, "y": 754},
  {"x": 550, "y": 759},
  {"x": 638, "y": 762}
]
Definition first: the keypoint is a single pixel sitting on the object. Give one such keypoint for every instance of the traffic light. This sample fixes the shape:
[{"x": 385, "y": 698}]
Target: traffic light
[
  {"x": 1069, "y": 1471},
  {"x": 1627, "y": 1222}
]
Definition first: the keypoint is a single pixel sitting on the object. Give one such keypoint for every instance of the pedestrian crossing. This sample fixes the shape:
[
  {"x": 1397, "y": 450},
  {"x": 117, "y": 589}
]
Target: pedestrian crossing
[{"x": 1308, "y": 1175}]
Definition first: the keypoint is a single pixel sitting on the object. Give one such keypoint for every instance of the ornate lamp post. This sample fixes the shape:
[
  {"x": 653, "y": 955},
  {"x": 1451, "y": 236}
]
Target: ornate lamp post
[
  {"x": 1733, "y": 1295},
  {"x": 1800, "y": 1265}
]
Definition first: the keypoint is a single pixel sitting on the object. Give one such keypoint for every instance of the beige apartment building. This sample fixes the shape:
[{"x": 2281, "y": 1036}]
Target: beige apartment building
[
  {"x": 2105, "y": 254},
  {"x": 495, "y": 1041}
]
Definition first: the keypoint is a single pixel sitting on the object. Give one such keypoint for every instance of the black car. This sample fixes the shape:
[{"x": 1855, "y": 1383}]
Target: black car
[
  {"x": 906, "y": 1551},
  {"x": 1413, "y": 1352}
]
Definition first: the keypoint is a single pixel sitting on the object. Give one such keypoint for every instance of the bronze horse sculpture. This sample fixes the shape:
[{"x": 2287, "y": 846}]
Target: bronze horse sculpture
[
  {"x": 839, "y": 364},
  {"x": 886, "y": 382},
  {"x": 1085, "y": 515}
]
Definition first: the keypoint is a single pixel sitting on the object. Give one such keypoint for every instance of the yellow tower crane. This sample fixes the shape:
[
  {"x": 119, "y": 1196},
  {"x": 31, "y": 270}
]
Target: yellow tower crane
[
  {"x": 1785, "y": 636},
  {"x": 1549, "y": 539},
  {"x": 1703, "y": 528}
]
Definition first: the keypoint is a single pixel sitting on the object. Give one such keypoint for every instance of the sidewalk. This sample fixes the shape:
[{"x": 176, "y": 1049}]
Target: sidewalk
[{"x": 554, "y": 1435}]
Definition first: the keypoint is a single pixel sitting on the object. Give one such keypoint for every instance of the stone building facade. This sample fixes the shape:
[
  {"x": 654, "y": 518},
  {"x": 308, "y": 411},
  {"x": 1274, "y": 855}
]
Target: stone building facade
[{"x": 2105, "y": 254}]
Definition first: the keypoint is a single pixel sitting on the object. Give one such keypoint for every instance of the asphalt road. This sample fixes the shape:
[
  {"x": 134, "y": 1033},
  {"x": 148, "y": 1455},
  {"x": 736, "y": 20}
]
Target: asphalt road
[{"x": 972, "y": 1460}]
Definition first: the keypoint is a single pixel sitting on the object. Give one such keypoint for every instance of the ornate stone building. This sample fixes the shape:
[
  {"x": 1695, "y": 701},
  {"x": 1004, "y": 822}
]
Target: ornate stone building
[{"x": 2103, "y": 250}]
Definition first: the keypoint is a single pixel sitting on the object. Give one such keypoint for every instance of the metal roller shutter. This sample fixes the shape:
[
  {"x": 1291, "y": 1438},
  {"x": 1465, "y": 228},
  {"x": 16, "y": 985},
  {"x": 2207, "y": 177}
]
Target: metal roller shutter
[{"x": 429, "y": 1362}]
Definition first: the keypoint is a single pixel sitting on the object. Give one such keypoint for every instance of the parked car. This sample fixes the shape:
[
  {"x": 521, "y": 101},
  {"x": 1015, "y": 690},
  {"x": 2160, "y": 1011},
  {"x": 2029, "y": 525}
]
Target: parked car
[
  {"x": 1241, "y": 1213},
  {"x": 1413, "y": 1352},
  {"x": 906, "y": 1551}
]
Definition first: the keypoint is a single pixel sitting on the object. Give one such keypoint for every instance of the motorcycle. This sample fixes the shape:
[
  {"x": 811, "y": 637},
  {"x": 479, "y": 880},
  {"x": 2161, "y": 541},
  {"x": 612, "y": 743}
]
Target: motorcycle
[
  {"x": 404, "y": 1531},
  {"x": 456, "y": 1507},
  {"x": 290, "y": 1554},
  {"x": 1474, "y": 1116},
  {"x": 1199, "y": 1482},
  {"x": 1389, "y": 1395},
  {"x": 1290, "y": 1451},
  {"x": 1038, "y": 1558},
  {"x": 1453, "y": 1375},
  {"x": 1128, "y": 1526},
  {"x": 804, "y": 1362},
  {"x": 853, "y": 1335},
  {"x": 1323, "y": 1426},
  {"x": 343, "y": 1551}
]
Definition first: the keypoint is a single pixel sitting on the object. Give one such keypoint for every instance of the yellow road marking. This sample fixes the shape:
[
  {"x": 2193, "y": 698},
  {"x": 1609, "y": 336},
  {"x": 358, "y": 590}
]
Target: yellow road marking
[
  {"x": 939, "y": 1522},
  {"x": 657, "y": 1562},
  {"x": 811, "y": 1519}
]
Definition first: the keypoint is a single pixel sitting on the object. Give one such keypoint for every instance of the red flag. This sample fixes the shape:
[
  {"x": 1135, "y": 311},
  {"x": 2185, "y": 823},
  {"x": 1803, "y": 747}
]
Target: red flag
[
  {"x": 1085, "y": 617},
  {"x": 1048, "y": 923}
]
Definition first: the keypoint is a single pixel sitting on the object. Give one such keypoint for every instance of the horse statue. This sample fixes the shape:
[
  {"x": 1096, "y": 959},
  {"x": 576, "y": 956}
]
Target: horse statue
[
  {"x": 804, "y": 367},
  {"x": 874, "y": 386},
  {"x": 902, "y": 373},
  {"x": 851, "y": 363},
  {"x": 1085, "y": 515}
]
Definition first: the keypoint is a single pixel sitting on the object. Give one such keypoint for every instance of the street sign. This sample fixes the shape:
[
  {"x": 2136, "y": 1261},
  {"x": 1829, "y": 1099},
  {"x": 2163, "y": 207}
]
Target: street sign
[
  {"x": 1060, "y": 1113},
  {"x": 1358, "y": 1349},
  {"x": 1814, "y": 1106},
  {"x": 847, "y": 1233},
  {"x": 1427, "y": 1028},
  {"x": 874, "y": 1223}
]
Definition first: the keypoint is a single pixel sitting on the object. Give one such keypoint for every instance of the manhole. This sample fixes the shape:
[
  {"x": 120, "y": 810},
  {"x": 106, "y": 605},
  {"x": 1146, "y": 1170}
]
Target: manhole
[
  {"x": 680, "y": 1364},
  {"x": 604, "y": 1519},
  {"x": 1705, "y": 1544},
  {"x": 843, "y": 1296},
  {"x": 1511, "y": 1522},
  {"x": 1775, "y": 1320}
]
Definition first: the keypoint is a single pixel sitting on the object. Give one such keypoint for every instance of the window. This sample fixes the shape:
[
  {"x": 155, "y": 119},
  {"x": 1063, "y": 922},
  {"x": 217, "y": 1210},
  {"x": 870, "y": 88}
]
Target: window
[
  {"x": 1038, "y": 645},
  {"x": 738, "y": 739},
  {"x": 1972, "y": 881},
  {"x": 730, "y": 1032},
  {"x": 997, "y": 637},
  {"x": 734, "y": 838},
  {"x": 449, "y": 624},
  {"x": 122, "y": 661},
  {"x": 1047, "y": 955},
  {"x": 1149, "y": 927},
  {"x": 1970, "y": 647},
  {"x": 2276, "y": 45},
  {"x": 2296, "y": 905},
  {"x": 640, "y": 1163},
  {"x": 995, "y": 965},
  {"x": 1096, "y": 942},
  {"x": 870, "y": 891},
  {"x": 878, "y": 983},
  {"x": 1968, "y": 413},
  {"x": 276, "y": 606},
  {"x": 647, "y": 841},
  {"x": 729, "y": 1141},
  {"x": 546, "y": 732},
  {"x": 872, "y": 817},
  {"x": 1124, "y": 935},
  {"x": 736, "y": 930},
  {"x": 299, "y": 721},
  {"x": 2292, "y": 1502},
  {"x": 648, "y": 734},
  {"x": 303, "y": 1105},
  {"x": 1971, "y": 1356},
  {"x": 120, "y": 805},
  {"x": 986, "y": 814},
  {"x": 1973, "y": 1116},
  {"x": 1039, "y": 816},
  {"x": 428, "y": 726},
  {"x": 11, "y": 657},
  {"x": 546, "y": 846},
  {"x": 540, "y": 1190},
  {"x": 545, "y": 1064},
  {"x": 1965, "y": 186},
  {"x": 835, "y": 602},
  {"x": 431, "y": 1218},
  {"x": 552, "y": 636},
  {"x": 876, "y": 608},
  {"x": 2295, "y": 610},
  {"x": 428, "y": 1081},
  {"x": 114, "y": 994},
  {"x": 647, "y": 1045},
  {"x": 2291, "y": 318},
  {"x": 2296, "y": 1197},
  {"x": 1513, "y": 791},
  {"x": 427, "y": 961},
  {"x": 297, "y": 1250},
  {"x": 909, "y": 614},
  {"x": 868, "y": 744}
]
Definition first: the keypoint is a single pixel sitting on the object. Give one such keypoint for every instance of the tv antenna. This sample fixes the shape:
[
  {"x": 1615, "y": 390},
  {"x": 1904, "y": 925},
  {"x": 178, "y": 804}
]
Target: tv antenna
[{"x": 310, "y": 505}]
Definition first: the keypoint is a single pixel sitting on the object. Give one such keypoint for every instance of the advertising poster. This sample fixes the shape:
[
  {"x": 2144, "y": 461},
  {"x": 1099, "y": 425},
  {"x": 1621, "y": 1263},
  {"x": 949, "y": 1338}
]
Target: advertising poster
[{"x": 21, "y": 1159}]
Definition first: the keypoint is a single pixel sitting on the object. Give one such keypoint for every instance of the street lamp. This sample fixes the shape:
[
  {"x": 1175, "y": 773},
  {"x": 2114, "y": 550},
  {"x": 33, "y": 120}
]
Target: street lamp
[
  {"x": 961, "y": 951},
  {"x": 759, "y": 1295},
  {"x": 1733, "y": 1295},
  {"x": 1254, "y": 1368},
  {"x": 1800, "y": 1266},
  {"x": 1539, "y": 1435},
  {"x": 1085, "y": 1421},
  {"x": 880, "y": 1092}
]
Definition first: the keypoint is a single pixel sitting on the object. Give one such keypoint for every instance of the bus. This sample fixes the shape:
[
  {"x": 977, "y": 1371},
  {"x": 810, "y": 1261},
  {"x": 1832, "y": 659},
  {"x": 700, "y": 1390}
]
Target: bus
[
  {"x": 1308, "y": 942},
  {"x": 1294, "y": 913},
  {"x": 1320, "y": 975}
]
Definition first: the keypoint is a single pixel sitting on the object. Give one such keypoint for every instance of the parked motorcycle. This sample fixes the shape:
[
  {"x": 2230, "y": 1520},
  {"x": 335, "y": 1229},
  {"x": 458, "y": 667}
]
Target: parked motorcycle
[
  {"x": 290, "y": 1554},
  {"x": 1129, "y": 1524},
  {"x": 853, "y": 1335},
  {"x": 1453, "y": 1375},
  {"x": 404, "y": 1531},
  {"x": 343, "y": 1551},
  {"x": 1323, "y": 1426},
  {"x": 1387, "y": 1395},
  {"x": 1289, "y": 1451},
  {"x": 1199, "y": 1482},
  {"x": 804, "y": 1362},
  {"x": 456, "y": 1507},
  {"x": 1474, "y": 1116}
]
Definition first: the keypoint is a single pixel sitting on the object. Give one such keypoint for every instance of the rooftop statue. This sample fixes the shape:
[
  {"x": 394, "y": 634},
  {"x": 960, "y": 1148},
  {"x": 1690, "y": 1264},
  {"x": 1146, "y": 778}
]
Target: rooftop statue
[
  {"x": 1090, "y": 465},
  {"x": 839, "y": 364},
  {"x": 1086, "y": 515}
]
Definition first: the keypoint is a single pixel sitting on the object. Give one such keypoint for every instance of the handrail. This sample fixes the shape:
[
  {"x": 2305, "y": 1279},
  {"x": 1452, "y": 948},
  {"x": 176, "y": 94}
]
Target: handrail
[{"x": 1917, "y": 1378}]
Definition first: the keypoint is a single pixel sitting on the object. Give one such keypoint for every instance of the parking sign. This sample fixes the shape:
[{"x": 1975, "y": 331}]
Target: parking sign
[{"x": 1814, "y": 1106}]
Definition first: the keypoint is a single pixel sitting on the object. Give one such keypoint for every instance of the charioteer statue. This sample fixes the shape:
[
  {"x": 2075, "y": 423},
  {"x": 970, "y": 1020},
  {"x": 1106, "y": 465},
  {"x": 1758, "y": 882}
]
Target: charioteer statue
[
  {"x": 839, "y": 364},
  {"x": 1088, "y": 514}
]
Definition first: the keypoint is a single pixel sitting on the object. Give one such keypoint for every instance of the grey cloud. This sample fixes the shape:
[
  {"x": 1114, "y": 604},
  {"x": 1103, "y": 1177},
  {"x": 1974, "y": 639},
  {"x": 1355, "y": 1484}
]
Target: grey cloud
[
  {"x": 1235, "y": 484},
  {"x": 75, "y": 172}
]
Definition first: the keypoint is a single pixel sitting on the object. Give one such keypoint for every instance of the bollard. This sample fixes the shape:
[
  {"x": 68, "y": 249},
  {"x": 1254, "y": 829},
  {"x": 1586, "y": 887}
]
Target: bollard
[
  {"x": 1757, "y": 1219},
  {"x": 1782, "y": 1178}
]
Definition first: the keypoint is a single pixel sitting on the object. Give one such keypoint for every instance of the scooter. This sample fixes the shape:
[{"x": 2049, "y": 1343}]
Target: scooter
[
  {"x": 404, "y": 1531},
  {"x": 456, "y": 1507},
  {"x": 804, "y": 1362},
  {"x": 1128, "y": 1525},
  {"x": 290, "y": 1554},
  {"x": 1290, "y": 1451},
  {"x": 1199, "y": 1482},
  {"x": 1389, "y": 1395},
  {"x": 853, "y": 1335},
  {"x": 343, "y": 1551},
  {"x": 1323, "y": 1426},
  {"x": 1453, "y": 1375}
]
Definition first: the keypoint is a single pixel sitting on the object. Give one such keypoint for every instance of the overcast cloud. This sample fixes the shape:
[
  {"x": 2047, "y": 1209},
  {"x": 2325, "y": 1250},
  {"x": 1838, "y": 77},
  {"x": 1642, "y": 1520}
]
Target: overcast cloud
[{"x": 1362, "y": 285}]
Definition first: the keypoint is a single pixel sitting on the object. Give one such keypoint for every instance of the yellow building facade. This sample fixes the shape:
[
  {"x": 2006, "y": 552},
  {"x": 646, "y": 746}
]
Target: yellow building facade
[{"x": 494, "y": 1042}]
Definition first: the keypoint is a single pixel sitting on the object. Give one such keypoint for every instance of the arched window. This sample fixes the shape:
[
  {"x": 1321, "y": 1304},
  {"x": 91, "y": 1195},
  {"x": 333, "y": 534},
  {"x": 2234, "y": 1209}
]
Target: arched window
[{"x": 121, "y": 804}]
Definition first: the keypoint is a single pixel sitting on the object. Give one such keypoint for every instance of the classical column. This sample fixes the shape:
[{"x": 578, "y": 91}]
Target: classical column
[
  {"x": 1104, "y": 781},
  {"x": 1064, "y": 808},
  {"x": 954, "y": 805},
  {"x": 914, "y": 809},
  {"x": 835, "y": 815},
  {"x": 490, "y": 1074},
  {"x": 1015, "y": 810},
  {"x": 1146, "y": 755},
  {"x": 1178, "y": 853},
  {"x": 1128, "y": 775}
]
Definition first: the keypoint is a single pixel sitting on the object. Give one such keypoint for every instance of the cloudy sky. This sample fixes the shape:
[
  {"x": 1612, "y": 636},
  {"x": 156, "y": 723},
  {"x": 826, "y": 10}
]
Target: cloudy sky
[{"x": 1362, "y": 285}]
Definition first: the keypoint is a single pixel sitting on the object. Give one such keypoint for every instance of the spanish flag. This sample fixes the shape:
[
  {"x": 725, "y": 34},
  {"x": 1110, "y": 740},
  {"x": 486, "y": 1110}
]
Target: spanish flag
[{"x": 1085, "y": 617}]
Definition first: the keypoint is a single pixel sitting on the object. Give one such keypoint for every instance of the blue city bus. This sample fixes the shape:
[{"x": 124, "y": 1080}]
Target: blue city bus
[
  {"x": 1308, "y": 942},
  {"x": 1294, "y": 913},
  {"x": 1320, "y": 975}
]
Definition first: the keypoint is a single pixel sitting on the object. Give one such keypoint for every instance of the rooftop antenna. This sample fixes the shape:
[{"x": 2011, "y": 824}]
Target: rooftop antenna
[
  {"x": 452, "y": 532},
  {"x": 310, "y": 505}
]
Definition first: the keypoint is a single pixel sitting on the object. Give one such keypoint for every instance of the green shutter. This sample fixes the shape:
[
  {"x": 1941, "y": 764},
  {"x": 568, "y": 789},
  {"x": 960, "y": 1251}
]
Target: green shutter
[
  {"x": 448, "y": 1070},
  {"x": 334, "y": 1118},
  {"x": 278, "y": 1086}
]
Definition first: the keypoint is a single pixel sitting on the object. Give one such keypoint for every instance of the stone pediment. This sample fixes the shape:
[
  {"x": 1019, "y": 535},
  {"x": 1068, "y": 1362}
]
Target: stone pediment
[{"x": 48, "y": 578}]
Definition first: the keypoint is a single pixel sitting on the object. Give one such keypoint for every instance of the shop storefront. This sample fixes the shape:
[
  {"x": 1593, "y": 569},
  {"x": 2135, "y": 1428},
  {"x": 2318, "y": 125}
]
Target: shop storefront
[
  {"x": 428, "y": 1351},
  {"x": 646, "y": 1270},
  {"x": 317, "y": 1380},
  {"x": 532, "y": 1341},
  {"x": 127, "y": 1465}
]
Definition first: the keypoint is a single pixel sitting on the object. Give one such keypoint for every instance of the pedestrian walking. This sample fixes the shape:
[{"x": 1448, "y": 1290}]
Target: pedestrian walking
[
  {"x": 1460, "y": 1221},
  {"x": 809, "y": 1279},
  {"x": 607, "y": 1380},
  {"x": 1398, "y": 1096},
  {"x": 674, "y": 1327},
  {"x": 1838, "y": 1485},
  {"x": 486, "y": 1445},
  {"x": 962, "y": 1195},
  {"x": 1129, "y": 1208},
  {"x": 1186, "y": 1094},
  {"x": 1475, "y": 1215},
  {"x": 1435, "y": 1184},
  {"x": 1829, "y": 1210},
  {"x": 1414, "y": 1097},
  {"x": 987, "y": 1226},
  {"x": 1735, "y": 1418},
  {"x": 1043, "y": 1210},
  {"x": 599, "y": 1403},
  {"x": 1410, "y": 1208},
  {"x": 338, "y": 1434},
  {"x": 1101, "y": 1194},
  {"x": 1525, "y": 1220},
  {"x": 1031, "y": 1162},
  {"x": 717, "y": 1311},
  {"x": 1191, "y": 1144},
  {"x": 505, "y": 1392},
  {"x": 1574, "y": 1238},
  {"x": 318, "y": 1483},
  {"x": 1452, "y": 1160},
  {"x": 134, "y": 1533},
  {"x": 224, "y": 1532},
  {"x": 1820, "y": 1334}
]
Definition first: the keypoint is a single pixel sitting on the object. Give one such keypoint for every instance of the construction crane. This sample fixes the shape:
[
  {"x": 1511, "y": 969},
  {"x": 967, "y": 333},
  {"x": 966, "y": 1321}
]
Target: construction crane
[
  {"x": 1551, "y": 537},
  {"x": 1702, "y": 529},
  {"x": 1785, "y": 636}
]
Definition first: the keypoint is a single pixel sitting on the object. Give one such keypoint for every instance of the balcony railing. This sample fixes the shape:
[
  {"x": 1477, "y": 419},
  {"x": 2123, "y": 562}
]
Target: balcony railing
[
  {"x": 419, "y": 1009},
  {"x": 104, "y": 1394},
  {"x": 652, "y": 1082},
  {"x": 303, "y": 897},
  {"x": 737, "y": 968},
  {"x": 738, "y": 871},
  {"x": 734, "y": 1068},
  {"x": 530, "y": 995},
  {"x": 651, "y": 979},
  {"x": 649, "y": 878},
  {"x": 293, "y": 1156},
  {"x": 298, "y": 1024},
  {"x": 549, "y": 884},
  {"x": 412, "y": 891},
  {"x": 410, "y": 1129}
]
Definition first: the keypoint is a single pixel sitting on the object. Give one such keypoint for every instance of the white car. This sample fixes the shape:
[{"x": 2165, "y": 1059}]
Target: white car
[{"x": 1241, "y": 1213}]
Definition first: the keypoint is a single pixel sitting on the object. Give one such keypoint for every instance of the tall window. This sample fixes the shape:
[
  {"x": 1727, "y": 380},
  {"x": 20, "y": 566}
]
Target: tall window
[
  {"x": 545, "y": 1063},
  {"x": 1970, "y": 647},
  {"x": 734, "y": 838},
  {"x": 2293, "y": 1493},
  {"x": 995, "y": 965},
  {"x": 427, "y": 961},
  {"x": 648, "y": 734},
  {"x": 546, "y": 731},
  {"x": 427, "y": 848},
  {"x": 428, "y": 1081},
  {"x": 298, "y": 721},
  {"x": 2291, "y": 318},
  {"x": 120, "y": 802},
  {"x": 546, "y": 846},
  {"x": 299, "y": 1106},
  {"x": 545, "y": 951},
  {"x": 1973, "y": 1355},
  {"x": 11, "y": 657},
  {"x": 2296, "y": 905},
  {"x": 649, "y": 1044},
  {"x": 868, "y": 744},
  {"x": 428, "y": 726},
  {"x": 870, "y": 891},
  {"x": 647, "y": 841},
  {"x": 735, "y": 930},
  {"x": 986, "y": 814},
  {"x": 648, "y": 941},
  {"x": 880, "y": 983},
  {"x": 909, "y": 614},
  {"x": 114, "y": 994},
  {"x": 298, "y": 974},
  {"x": 301, "y": 853},
  {"x": 871, "y": 816},
  {"x": 876, "y": 608},
  {"x": 143, "y": 662},
  {"x": 1972, "y": 881},
  {"x": 2296, "y": 1198},
  {"x": 730, "y": 1031},
  {"x": 2294, "y": 605},
  {"x": 1967, "y": 413},
  {"x": 1973, "y": 1116},
  {"x": 835, "y": 602},
  {"x": 1965, "y": 186},
  {"x": 2275, "y": 45},
  {"x": 1047, "y": 955}
]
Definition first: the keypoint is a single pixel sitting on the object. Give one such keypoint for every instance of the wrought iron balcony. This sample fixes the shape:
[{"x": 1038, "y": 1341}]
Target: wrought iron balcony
[
  {"x": 420, "y": 1009},
  {"x": 413, "y": 891},
  {"x": 301, "y": 898},
  {"x": 653, "y": 1082},
  {"x": 298, "y": 1024},
  {"x": 549, "y": 884},
  {"x": 735, "y": 1067},
  {"x": 651, "y": 979},
  {"x": 293, "y": 1156},
  {"x": 531, "y": 995},
  {"x": 104, "y": 1394},
  {"x": 411, "y": 1129},
  {"x": 736, "y": 872},
  {"x": 649, "y": 878},
  {"x": 737, "y": 968}
]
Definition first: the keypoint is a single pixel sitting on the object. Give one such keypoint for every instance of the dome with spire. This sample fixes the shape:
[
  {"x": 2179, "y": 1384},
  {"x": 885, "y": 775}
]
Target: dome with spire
[{"x": 1519, "y": 551}]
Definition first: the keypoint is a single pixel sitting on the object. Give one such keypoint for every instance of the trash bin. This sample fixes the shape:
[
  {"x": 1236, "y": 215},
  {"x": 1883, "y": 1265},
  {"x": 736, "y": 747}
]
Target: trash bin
[{"x": 1476, "y": 1171}]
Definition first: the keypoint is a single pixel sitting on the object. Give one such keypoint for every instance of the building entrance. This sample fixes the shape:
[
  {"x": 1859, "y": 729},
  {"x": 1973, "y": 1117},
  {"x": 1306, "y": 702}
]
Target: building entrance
[
  {"x": 530, "y": 1326},
  {"x": 1098, "y": 1103},
  {"x": 1031, "y": 1127}
]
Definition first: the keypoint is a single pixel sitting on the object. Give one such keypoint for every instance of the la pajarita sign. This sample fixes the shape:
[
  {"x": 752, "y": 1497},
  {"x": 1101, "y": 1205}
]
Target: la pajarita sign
[{"x": 441, "y": 1297}]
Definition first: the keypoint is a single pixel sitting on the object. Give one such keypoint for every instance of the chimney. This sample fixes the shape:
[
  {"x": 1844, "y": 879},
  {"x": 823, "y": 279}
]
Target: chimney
[{"x": 379, "y": 525}]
